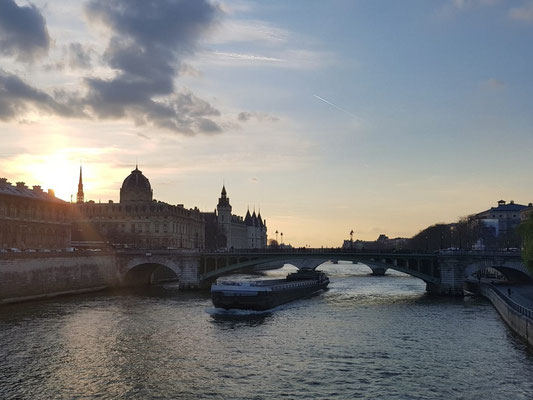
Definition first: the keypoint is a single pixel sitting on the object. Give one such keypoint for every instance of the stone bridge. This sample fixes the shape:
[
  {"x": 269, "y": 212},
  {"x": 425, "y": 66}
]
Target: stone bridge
[
  {"x": 25, "y": 276},
  {"x": 443, "y": 273}
]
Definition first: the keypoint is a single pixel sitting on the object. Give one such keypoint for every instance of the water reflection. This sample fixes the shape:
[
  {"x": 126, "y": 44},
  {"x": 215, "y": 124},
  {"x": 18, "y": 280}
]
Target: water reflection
[
  {"x": 366, "y": 337},
  {"x": 233, "y": 319}
]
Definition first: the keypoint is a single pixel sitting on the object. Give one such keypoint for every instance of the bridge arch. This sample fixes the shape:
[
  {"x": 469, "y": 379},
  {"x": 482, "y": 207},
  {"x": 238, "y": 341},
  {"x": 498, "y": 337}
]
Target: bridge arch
[
  {"x": 148, "y": 272},
  {"x": 512, "y": 271},
  {"x": 422, "y": 269}
]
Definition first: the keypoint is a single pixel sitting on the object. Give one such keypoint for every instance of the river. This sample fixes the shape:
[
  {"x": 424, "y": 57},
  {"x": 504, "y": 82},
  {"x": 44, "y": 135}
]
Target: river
[{"x": 365, "y": 338}]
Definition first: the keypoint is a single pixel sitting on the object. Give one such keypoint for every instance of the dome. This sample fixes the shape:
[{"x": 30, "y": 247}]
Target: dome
[{"x": 136, "y": 188}]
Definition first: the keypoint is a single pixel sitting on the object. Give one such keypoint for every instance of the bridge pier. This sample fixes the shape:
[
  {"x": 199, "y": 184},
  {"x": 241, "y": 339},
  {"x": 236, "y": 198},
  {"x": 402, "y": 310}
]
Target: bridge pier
[
  {"x": 378, "y": 271},
  {"x": 451, "y": 278}
]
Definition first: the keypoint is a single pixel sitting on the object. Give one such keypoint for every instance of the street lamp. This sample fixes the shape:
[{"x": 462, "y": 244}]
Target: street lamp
[
  {"x": 281, "y": 237},
  {"x": 276, "y": 235}
]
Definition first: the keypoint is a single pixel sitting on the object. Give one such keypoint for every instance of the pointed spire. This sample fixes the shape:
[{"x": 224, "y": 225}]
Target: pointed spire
[
  {"x": 80, "y": 197},
  {"x": 248, "y": 219},
  {"x": 223, "y": 201},
  {"x": 260, "y": 219}
]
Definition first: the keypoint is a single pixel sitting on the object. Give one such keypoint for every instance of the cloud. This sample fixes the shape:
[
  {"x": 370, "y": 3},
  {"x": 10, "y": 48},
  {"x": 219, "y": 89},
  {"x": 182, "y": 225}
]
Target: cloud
[
  {"x": 494, "y": 83},
  {"x": 286, "y": 58},
  {"x": 239, "y": 30},
  {"x": 148, "y": 41},
  {"x": 79, "y": 57},
  {"x": 260, "y": 116},
  {"x": 464, "y": 4},
  {"x": 23, "y": 32},
  {"x": 524, "y": 13},
  {"x": 17, "y": 97}
]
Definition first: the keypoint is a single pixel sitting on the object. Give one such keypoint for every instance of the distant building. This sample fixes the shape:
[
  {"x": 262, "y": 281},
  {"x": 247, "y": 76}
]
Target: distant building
[
  {"x": 137, "y": 220},
  {"x": 526, "y": 212},
  {"x": 383, "y": 242},
  {"x": 32, "y": 218},
  {"x": 505, "y": 216},
  {"x": 225, "y": 230}
]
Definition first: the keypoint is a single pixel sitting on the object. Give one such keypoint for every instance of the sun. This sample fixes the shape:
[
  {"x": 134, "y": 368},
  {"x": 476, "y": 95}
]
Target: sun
[{"x": 55, "y": 171}]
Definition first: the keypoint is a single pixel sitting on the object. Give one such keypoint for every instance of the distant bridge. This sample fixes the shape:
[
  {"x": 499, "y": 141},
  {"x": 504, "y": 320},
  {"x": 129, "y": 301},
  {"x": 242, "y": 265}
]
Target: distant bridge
[{"x": 443, "y": 273}]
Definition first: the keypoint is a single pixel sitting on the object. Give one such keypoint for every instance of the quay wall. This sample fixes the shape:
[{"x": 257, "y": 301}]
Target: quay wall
[
  {"x": 518, "y": 318},
  {"x": 29, "y": 276}
]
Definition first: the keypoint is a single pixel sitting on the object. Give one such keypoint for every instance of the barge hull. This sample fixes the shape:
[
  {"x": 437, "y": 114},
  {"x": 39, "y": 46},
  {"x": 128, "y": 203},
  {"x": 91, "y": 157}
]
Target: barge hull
[{"x": 262, "y": 301}]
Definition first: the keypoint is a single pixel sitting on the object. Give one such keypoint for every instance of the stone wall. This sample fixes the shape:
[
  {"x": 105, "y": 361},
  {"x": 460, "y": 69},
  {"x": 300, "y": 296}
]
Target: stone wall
[
  {"x": 451, "y": 278},
  {"x": 28, "y": 276},
  {"x": 517, "y": 321}
]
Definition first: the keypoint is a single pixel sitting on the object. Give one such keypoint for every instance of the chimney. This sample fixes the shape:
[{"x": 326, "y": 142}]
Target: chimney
[
  {"x": 21, "y": 185},
  {"x": 37, "y": 188},
  {"x": 511, "y": 202},
  {"x": 51, "y": 192},
  {"x": 501, "y": 202},
  {"x": 4, "y": 182}
]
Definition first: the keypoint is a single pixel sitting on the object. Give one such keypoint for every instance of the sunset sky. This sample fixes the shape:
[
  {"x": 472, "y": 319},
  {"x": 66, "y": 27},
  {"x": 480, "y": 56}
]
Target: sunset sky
[{"x": 328, "y": 116}]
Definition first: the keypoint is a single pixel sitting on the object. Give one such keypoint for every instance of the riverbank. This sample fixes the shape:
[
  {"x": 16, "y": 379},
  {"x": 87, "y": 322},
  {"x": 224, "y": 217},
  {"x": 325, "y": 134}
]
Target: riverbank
[{"x": 514, "y": 303}]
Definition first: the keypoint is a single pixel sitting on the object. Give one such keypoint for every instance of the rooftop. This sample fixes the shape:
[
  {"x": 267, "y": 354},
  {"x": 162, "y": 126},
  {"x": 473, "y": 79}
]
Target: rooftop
[{"x": 21, "y": 190}]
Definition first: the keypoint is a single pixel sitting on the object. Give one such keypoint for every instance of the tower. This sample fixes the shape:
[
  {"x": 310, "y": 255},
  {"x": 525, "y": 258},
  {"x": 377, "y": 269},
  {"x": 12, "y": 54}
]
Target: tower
[
  {"x": 224, "y": 216},
  {"x": 80, "y": 197}
]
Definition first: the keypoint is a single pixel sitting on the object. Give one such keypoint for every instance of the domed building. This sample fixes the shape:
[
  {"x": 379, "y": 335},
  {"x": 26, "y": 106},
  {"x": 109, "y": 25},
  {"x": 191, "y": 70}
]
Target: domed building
[
  {"x": 138, "y": 220},
  {"x": 136, "y": 188}
]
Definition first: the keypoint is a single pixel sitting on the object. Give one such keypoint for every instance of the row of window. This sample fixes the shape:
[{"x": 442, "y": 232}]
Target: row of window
[
  {"x": 108, "y": 209},
  {"x": 13, "y": 210}
]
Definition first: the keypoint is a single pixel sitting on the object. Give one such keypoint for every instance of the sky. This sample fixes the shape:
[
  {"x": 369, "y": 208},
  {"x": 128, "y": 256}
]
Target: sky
[{"x": 326, "y": 116}]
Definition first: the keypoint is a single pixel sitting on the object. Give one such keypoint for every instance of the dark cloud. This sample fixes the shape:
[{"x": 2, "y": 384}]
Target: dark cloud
[
  {"x": 149, "y": 39},
  {"x": 23, "y": 31},
  {"x": 17, "y": 97},
  {"x": 78, "y": 56},
  {"x": 247, "y": 115}
]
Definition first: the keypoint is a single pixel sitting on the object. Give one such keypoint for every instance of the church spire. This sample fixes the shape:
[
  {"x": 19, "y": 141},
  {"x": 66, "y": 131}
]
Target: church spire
[{"x": 80, "y": 197}]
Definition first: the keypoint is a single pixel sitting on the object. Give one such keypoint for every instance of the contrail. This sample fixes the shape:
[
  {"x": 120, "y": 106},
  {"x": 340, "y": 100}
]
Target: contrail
[{"x": 336, "y": 106}]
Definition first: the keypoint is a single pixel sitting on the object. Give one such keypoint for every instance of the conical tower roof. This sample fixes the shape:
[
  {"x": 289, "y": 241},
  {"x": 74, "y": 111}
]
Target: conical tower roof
[{"x": 248, "y": 219}]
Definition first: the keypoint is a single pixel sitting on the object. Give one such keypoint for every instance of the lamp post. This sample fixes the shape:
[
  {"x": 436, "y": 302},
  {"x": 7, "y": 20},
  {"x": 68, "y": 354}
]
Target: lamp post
[
  {"x": 351, "y": 239},
  {"x": 276, "y": 235},
  {"x": 281, "y": 237}
]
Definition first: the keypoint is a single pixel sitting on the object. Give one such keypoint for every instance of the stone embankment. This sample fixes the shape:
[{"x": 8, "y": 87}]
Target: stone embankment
[
  {"x": 31, "y": 276},
  {"x": 517, "y": 316}
]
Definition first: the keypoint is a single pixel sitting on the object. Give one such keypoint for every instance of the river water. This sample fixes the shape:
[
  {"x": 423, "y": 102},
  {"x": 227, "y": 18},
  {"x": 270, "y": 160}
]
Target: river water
[{"x": 365, "y": 338}]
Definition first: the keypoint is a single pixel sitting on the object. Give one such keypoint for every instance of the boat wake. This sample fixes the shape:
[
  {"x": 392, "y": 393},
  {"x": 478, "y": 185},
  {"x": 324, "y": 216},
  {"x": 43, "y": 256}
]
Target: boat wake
[{"x": 220, "y": 312}]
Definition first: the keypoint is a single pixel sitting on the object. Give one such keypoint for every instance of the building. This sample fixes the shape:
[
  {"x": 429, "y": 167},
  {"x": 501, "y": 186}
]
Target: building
[
  {"x": 225, "y": 231},
  {"x": 526, "y": 213},
  {"x": 383, "y": 242},
  {"x": 137, "y": 220},
  {"x": 32, "y": 218},
  {"x": 500, "y": 225},
  {"x": 505, "y": 216}
]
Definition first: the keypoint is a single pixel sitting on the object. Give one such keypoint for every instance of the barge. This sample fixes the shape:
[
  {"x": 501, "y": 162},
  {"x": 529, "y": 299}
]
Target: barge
[{"x": 265, "y": 294}]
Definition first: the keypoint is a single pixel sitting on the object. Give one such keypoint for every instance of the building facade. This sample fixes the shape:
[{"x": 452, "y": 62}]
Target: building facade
[
  {"x": 526, "y": 213},
  {"x": 138, "y": 220},
  {"x": 226, "y": 231},
  {"x": 506, "y": 216},
  {"x": 32, "y": 218}
]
